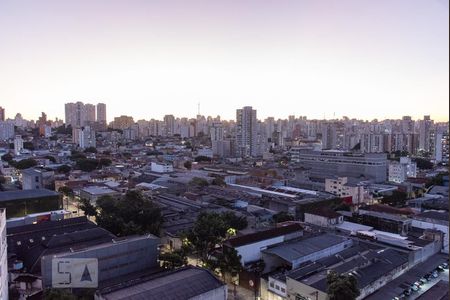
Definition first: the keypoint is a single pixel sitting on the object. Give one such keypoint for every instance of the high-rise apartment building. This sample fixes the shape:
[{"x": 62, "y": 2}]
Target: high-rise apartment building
[
  {"x": 84, "y": 137},
  {"x": 101, "y": 113},
  {"x": 329, "y": 135},
  {"x": 169, "y": 125},
  {"x": 18, "y": 144},
  {"x": 425, "y": 128},
  {"x": 2, "y": 114},
  {"x": 79, "y": 114},
  {"x": 75, "y": 114},
  {"x": 90, "y": 113},
  {"x": 246, "y": 132},
  {"x": 6, "y": 130},
  {"x": 122, "y": 122}
]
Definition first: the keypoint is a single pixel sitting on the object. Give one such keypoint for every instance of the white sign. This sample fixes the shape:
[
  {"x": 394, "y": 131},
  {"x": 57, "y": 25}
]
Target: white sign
[{"x": 74, "y": 273}]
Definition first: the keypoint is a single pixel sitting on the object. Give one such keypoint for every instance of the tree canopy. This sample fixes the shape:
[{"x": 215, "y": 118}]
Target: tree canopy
[
  {"x": 127, "y": 215},
  {"x": 398, "y": 198},
  {"x": 423, "y": 163},
  {"x": 90, "y": 150},
  {"x": 7, "y": 157},
  {"x": 24, "y": 163},
  {"x": 210, "y": 229},
  {"x": 342, "y": 287},
  {"x": 197, "y": 181},
  {"x": 63, "y": 169},
  {"x": 173, "y": 260},
  {"x": 201, "y": 158}
]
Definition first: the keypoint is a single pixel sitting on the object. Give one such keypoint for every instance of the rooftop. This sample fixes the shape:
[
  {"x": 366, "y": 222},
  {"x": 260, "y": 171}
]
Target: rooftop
[
  {"x": 98, "y": 190},
  {"x": 437, "y": 215},
  {"x": 26, "y": 194},
  {"x": 294, "y": 250},
  {"x": 183, "y": 283},
  {"x": 263, "y": 235}
]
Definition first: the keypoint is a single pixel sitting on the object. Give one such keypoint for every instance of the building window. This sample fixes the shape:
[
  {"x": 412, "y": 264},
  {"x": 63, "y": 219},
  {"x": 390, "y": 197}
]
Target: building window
[
  {"x": 283, "y": 290},
  {"x": 271, "y": 284}
]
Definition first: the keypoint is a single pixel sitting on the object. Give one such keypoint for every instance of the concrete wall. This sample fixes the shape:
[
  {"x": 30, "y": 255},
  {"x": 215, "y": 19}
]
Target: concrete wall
[
  {"x": 220, "y": 293},
  {"x": 295, "y": 288},
  {"x": 252, "y": 252}
]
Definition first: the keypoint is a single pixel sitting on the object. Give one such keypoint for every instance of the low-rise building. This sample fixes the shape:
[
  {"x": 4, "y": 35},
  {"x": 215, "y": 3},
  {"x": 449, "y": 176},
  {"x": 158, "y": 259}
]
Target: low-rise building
[
  {"x": 35, "y": 178},
  {"x": 93, "y": 193},
  {"x": 342, "y": 188},
  {"x": 292, "y": 254},
  {"x": 20, "y": 203},
  {"x": 372, "y": 269},
  {"x": 434, "y": 220},
  {"x": 324, "y": 217},
  {"x": 189, "y": 282},
  {"x": 161, "y": 167},
  {"x": 402, "y": 170},
  {"x": 250, "y": 246}
]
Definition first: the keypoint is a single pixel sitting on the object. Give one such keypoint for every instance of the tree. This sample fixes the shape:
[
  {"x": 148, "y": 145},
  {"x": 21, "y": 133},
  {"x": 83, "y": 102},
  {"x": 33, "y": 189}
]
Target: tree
[
  {"x": 201, "y": 158},
  {"x": 7, "y": 157},
  {"x": 50, "y": 158},
  {"x": 28, "y": 146},
  {"x": 2, "y": 182},
  {"x": 219, "y": 181},
  {"x": 209, "y": 230},
  {"x": 398, "y": 198},
  {"x": 24, "y": 164},
  {"x": 63, "y": 169},
  {"x": 231, "y": 220},
  {"x": 229, "y": 262},
  {"x": 130, "y": 214},
  {"x": 423, "y": 163},
  {"x": 87, "y": 164},
  {"x": 342, "y": 287},
  {"x": 127, "y": 155},
  {"x": 77, "y": 155},
  {"x": 436, "y": 180},
  {"x": 173, "y": 260},
  {"x": 90, "y": 150},
  {"x": 197, "y": 181},
  {"x": 104, "y": 162},
  {"x": 86, "y": 206},
  {"x": 282, "y": 217},
  {"x": 64, "y": 129},
  {"x": 66, "y": 191},
  {"x": 59, "y": 294},
  {"x": 188, "y": 164}
]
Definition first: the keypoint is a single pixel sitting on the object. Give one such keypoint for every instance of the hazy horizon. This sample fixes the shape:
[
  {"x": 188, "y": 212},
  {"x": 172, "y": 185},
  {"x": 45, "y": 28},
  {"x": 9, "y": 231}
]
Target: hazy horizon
[{"x": 357, "y": 58}]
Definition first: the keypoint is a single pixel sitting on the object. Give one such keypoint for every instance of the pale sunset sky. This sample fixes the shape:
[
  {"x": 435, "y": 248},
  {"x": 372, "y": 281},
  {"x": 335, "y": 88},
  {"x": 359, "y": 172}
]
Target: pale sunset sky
[{"x": 145, "y": 58}]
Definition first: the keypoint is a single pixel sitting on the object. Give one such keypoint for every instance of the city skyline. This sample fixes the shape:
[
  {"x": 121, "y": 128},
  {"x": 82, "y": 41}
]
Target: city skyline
[
  {"x": 147, "y": 59},
  {"x": 110, "y": 119}
]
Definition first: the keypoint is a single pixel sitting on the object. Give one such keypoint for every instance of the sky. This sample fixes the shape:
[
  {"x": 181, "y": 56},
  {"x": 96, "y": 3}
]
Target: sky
[{"x": 145, "y": 58}]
